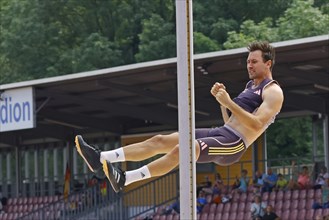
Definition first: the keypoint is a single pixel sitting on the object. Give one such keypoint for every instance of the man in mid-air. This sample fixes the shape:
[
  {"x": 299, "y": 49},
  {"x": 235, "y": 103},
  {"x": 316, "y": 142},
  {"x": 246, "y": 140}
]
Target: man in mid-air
[{"x": 246, "y": 117}]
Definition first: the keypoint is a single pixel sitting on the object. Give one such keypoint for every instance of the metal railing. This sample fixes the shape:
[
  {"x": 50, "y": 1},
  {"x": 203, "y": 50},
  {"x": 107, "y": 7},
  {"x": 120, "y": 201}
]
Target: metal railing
[
  {"x": 144, "y": 200},
  {"x": 93, "y": 204}
]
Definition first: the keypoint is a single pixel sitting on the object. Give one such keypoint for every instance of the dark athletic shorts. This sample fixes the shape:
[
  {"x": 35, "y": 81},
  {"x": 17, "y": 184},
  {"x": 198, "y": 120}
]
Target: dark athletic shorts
[{"x": 219, "y": 145}]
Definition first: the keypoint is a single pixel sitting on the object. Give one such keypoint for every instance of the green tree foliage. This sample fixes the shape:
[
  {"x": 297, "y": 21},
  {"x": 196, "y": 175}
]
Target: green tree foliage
[
  {"x": 282, "y": 141},
  {"x": 157, "y": 40},
  {"x": 300, "y": 20},
  {"x": 203, "y": 43},
  {"x": 323, "y": 5},
  {"x": 94, "y": 52},
  {"x": 24, "y": 40},
  {"x": 41, "y": 38},
  {"x": 213, "y": 11},
  {"x": 221, "y": 28},
  {"x": 249, "y": 32},
  {"x": 48, "y": 38}
]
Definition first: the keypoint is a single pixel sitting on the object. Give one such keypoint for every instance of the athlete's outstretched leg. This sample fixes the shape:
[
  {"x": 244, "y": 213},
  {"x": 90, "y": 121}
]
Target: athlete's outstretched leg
[
  {"x": 158, "y": 144},
  {"x": 159, "y": 167}
]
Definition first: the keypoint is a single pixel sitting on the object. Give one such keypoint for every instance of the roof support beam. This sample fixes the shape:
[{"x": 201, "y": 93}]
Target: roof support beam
[
  {"x": 79, "y": 120},
  {"x": 115, "y": 108},
  {"x": 321, "y": 78},
  {"x": 314, "y": 104},
  {"x": 203, "y": 106}
]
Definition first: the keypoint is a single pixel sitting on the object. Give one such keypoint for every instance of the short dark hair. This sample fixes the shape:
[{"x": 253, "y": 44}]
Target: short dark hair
[{"x": 268, "y": 51}]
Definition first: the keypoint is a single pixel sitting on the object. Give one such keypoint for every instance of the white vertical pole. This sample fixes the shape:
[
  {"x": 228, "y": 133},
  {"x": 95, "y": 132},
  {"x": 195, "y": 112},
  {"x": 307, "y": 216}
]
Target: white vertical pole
[{"x": 185, "y": 82}]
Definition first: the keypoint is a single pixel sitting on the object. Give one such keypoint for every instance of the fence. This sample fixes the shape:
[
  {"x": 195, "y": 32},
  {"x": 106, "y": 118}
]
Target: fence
[{"x": 91, "y": 203}]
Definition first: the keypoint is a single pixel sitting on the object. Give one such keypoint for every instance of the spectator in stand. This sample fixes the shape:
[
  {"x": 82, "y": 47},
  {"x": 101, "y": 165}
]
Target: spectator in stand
[
  {"x": 216, "y": 198},
  {"x": 218, "y": 184},
  {"x": 218, "y": 177},
  {"x": 281, "y": 184},
  {"x": 257, "y": 208},
  {"x": 270, "y": 214},
  {"x": 215, "y": 189},
  {"x": 207, "y": 183},
  {"x": 99, "y": 185},
  {"x": 322, "y": 178},
  {"x": 270, "y": 180},
  {"x": 241, "y": 184},
  {"x": 201, "y": 201},
  {"x": 173, "y": 208},
  {"x": 325, "y": 197},
  {"x": 258, "y": 182},
  {"x": 226, "y": 198},
  {"x": 317, "y": 205},
  {"x": 303, "y": 178},
  {"x": 205, "y": 186},
  {"x": 325, "y": 192},
  {"x": 236, "y": 183},
  {"x": 93, "y": 181}
]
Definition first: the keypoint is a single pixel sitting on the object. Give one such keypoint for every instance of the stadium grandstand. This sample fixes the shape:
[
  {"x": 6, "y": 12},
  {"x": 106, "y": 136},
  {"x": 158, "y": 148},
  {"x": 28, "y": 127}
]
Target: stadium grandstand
[{"x": 42, "y": 176}]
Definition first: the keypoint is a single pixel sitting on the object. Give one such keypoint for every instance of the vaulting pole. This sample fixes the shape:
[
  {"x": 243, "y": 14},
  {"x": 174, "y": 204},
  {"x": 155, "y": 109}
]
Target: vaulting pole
[{"x": 185, "y": 82}]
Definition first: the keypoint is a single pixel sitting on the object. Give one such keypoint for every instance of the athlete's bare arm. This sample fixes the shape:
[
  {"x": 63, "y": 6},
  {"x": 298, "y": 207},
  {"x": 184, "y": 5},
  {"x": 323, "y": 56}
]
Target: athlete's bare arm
[
  {"x": 224, "y": 113},
  {"x": 272, "y": 103},
  {"x": 215, "y": 88}
]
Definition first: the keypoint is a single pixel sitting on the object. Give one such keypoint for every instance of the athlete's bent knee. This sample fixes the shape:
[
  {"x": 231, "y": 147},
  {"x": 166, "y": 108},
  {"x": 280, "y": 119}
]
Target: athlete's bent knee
[
  {"x": 174, "y": 154},
  {"x": 157, "y": 139}
]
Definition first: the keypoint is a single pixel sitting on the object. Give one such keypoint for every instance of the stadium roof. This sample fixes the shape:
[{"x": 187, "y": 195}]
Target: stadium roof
[{"x": 142, "y": 97}]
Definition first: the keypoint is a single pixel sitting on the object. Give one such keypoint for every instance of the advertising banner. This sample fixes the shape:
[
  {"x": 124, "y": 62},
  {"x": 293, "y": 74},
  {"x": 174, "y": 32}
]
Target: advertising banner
[{"x": 17, "y": 109}]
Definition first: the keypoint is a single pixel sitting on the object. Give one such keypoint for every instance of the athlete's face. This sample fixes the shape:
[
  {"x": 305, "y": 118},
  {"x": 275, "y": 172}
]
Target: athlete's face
[{"x": 256, "y": 67}]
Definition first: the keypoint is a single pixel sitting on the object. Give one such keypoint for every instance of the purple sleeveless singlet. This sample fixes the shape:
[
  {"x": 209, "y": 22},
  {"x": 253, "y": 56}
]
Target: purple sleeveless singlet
[{"x": 223, "y": 145}]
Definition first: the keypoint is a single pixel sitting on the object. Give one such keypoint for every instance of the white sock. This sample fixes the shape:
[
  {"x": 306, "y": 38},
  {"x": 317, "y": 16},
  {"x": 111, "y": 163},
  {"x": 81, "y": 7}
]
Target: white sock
[
  {"x": 113, "y": 156},
  {"x": 138, "y": 174}
]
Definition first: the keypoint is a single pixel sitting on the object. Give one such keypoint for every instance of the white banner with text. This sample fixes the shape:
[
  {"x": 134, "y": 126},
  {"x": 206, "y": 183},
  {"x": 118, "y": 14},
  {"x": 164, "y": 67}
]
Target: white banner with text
[{"x": 17, "y": 109}]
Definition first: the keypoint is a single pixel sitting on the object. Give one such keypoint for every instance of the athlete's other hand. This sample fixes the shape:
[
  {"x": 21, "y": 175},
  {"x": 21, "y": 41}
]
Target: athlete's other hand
[
  {"x": 216, "y": 87},
  {"x": 223, "y": 97}
]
